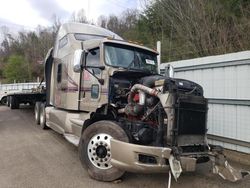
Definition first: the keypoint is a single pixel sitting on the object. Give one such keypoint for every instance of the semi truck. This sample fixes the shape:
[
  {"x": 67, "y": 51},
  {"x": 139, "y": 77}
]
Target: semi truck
[{"x": 104, "y": 95}]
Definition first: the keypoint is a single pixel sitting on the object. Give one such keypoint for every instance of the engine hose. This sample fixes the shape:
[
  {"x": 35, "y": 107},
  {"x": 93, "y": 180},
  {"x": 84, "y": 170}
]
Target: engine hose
[
  {"x": 133, "y": 108},
  {"x": 139, "y": 87}
]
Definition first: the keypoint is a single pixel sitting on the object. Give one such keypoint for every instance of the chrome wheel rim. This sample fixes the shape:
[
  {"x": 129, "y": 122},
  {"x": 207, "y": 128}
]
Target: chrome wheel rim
[
  {"x": 42, "y": 117},
  {"x": 36, "y": 114},
  {"x": 99, "y": 151}
]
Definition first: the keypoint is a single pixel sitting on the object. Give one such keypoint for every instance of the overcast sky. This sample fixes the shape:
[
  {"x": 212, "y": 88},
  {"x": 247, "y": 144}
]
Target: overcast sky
[{"x": 27, "y": 14}]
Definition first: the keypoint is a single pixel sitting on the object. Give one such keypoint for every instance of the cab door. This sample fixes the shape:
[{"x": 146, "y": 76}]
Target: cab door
[{"x": 90, "y": 87}]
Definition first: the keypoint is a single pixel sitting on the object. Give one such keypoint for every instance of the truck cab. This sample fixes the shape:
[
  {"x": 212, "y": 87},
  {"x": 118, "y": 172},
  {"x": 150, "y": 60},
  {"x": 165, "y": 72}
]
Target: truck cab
[{"x": 104, "y": 95}]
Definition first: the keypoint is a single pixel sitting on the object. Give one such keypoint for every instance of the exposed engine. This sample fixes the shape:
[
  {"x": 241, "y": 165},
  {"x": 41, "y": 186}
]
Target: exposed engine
[
  {"x": 170, "y": 113},
  {"x": 141, "y": 111}
]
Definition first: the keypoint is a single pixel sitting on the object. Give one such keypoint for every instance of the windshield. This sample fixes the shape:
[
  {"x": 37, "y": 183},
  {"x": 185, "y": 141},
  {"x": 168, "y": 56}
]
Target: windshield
[{"x": 129, "y": 57}]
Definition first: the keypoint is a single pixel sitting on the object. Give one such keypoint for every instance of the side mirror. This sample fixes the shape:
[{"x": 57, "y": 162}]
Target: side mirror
[
  {"x": 77, "y": 60},
  {"x": 169, "y": 71}
]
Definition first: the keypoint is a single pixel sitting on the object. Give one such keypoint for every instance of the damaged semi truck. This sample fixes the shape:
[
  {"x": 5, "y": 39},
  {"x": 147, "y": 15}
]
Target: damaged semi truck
[{"x": 104, "y": 95}]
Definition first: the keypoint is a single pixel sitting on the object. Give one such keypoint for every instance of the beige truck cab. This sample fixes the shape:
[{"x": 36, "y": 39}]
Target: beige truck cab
[{"x": 104, "y": 95}]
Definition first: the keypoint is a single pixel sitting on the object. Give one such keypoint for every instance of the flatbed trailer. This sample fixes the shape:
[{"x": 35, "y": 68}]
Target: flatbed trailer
[
  {"x": 19, "y": 88},
  {"x": 15, "y": 99}
]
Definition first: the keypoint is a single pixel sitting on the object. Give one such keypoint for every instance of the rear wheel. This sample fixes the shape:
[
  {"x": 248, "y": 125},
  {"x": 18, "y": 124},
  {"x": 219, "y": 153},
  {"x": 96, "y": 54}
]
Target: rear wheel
[
  {"x": 37, "y": 112},
  {"x": 94, "y": 149},
  {"x": 42, "y": 116},
  {"x": 8, "y": 101},
  {"x": 4, "y": 100}
]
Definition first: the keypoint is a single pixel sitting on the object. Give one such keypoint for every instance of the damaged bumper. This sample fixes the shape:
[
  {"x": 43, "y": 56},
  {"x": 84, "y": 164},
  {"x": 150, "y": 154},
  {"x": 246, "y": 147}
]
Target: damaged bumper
[
  {"x": 146, "y": 159},
  {"x": 150, "y": 159},
  {"x": 221, "y": 167}
]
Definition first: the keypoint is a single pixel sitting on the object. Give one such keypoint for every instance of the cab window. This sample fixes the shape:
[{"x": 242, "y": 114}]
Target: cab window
[
  {"x": 93, "y": 59},
  {"x": 59, "y": 73},
  {"x": 63, "y": 41}
]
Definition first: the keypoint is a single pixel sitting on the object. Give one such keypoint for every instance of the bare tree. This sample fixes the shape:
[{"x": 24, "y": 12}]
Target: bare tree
[
  {"x": 79, "y": 16},
  {"x": 193, "y": 28},
  {"x": 113, "y": 23},
  {"x": 102, "y": 21},
  {"x": 56, "y": 24}
]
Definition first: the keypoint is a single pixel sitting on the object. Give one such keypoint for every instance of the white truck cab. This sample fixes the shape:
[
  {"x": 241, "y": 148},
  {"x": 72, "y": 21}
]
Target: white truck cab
[{"x": 104, "y": 95}]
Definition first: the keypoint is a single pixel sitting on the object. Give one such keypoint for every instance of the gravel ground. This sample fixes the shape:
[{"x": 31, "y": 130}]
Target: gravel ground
[{"x": 31, "y": 157}]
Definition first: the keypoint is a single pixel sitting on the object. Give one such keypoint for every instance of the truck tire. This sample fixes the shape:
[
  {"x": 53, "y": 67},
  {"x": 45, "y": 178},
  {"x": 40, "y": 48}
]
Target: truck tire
[
  {"x": 37, "y": 112},
  {"x": 8, "y": 101},
  {"x": 4, "y": 100},
  {"x": 14, "y": 104},
  {"x": 42, "y": 116},
  {"x": 94, "y": 150}
]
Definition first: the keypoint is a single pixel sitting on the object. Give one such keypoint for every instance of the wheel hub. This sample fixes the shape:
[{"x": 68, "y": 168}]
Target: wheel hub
[{"x": 99, "y": 151}]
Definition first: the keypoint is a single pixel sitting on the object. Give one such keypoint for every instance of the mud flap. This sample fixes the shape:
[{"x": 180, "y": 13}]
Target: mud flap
[
  {"x": 225, "y": 170},
  {"x": 175, "y": 166}
]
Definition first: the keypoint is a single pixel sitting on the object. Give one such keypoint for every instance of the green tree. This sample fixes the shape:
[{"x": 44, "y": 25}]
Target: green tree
[
  {"x": 16, "y": 69},
  {"x": 195, "y": 28}
]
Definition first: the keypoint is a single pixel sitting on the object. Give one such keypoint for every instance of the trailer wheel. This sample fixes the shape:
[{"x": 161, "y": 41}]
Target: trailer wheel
[
  {"x": 8, "y": 101},
  {"x": 37, "y": 112},
  {"x": 42, "y": 116},
  {"x": 14, "y": 104},
  {"x": 4, "y": 100},
  {"x": 94, "y": 150}
]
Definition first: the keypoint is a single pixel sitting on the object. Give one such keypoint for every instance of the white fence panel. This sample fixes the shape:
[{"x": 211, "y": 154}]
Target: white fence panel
[{"x": 226, "y": 83}]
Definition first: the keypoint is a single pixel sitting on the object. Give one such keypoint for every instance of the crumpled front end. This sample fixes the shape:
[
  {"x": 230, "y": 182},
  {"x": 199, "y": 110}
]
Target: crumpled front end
[
  {"x": 133, "y": 157},
  {"x": 176, "y": 112},
  {"x": 150, "y": 159},
  {"x": 221, "y": 166}
]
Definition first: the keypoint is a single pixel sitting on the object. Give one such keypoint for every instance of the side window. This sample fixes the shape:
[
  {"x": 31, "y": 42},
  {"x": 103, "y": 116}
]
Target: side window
[
  {"x": 59, "y": 73},
  {"x": 63, "y": 41},
  {"x": 95, "y": 91},
  {"x": 93, "y": 59}
]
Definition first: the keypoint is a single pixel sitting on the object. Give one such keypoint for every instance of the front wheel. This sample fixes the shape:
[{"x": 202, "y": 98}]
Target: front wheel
[{"x": 94, "y": 149}]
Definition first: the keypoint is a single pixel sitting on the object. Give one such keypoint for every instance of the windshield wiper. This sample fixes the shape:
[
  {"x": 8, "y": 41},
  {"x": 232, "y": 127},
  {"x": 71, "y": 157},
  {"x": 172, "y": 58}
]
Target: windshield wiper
[
  {"x": 135, "y": 60},
  {"x": 139, "y": 68},
  {"x": 130, "y": 64}
]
